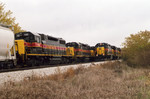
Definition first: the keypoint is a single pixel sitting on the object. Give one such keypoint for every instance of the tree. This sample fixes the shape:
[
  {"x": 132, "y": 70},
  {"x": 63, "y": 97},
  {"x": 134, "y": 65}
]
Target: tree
[
  {"x": 7, "y": 19},
  {"x": 136, "y": 49}
]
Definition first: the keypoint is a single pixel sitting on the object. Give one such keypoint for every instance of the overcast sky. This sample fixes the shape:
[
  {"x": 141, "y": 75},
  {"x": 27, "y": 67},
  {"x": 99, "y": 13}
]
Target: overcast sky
[{"x": 86, "y": 21}]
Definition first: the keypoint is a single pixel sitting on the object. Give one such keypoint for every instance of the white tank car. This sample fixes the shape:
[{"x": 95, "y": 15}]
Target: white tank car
[{"x": 6, "y": 44}]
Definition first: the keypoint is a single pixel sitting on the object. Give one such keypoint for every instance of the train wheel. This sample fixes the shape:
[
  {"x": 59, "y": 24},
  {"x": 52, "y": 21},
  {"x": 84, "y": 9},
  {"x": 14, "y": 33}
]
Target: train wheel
[
  {"x": 10, "y": 64},
  {"x": 31, "y": 62},
  {"x": 1, "y": 66}
]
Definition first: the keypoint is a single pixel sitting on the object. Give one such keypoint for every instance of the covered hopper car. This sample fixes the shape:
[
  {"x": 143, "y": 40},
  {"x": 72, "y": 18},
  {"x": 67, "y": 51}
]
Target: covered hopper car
[{"x": 7, "y": 47}]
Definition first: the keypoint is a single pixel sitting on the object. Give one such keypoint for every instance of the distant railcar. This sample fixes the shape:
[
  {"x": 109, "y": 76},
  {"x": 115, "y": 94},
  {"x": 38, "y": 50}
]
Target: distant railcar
[
  {"x": 78, "y": 51},
  {"x": 103, "y": 50}
]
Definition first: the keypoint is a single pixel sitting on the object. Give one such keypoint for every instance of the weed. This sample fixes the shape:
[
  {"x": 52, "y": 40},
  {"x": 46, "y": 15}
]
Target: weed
[{"x": 109, "y": 80}]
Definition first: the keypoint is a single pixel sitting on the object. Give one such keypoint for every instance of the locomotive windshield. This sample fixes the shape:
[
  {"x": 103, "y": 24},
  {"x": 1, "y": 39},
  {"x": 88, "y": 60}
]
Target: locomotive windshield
[
  {"x": 85, "y": 47},
  {"x": 102, "y": 45},
  {"x": 72, "y": 44},
  {"x": 27, "y": 36}
]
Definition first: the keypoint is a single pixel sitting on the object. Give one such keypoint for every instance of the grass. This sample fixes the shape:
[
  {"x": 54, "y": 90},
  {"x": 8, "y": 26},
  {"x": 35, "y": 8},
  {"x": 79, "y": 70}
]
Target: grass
[{"x": 110, "y": 80}]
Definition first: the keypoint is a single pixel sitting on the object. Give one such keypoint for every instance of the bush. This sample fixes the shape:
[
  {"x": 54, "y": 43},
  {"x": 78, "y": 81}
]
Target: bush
[{"x": 136, "y": 51}]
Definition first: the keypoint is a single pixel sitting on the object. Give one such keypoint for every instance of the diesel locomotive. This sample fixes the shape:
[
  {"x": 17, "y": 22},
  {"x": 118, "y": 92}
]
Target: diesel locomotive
[
  {"x": 37, "y": 49},
  {"x": 78, "y": 51},
  {"x": 29, "y": 49},
  {"x": 107, "y": 51}
]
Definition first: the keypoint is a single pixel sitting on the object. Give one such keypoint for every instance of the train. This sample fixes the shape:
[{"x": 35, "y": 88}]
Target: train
[{"x": 33, "y": 49}]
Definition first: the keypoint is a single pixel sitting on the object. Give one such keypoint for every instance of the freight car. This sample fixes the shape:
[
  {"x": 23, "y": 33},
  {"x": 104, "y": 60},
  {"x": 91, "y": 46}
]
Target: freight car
[{"x": 7, "y": 48}]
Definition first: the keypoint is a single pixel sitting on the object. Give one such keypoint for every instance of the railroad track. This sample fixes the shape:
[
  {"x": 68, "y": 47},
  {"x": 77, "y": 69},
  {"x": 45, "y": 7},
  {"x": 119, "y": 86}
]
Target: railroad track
[
  {"x": 19, "y": 68},
  {"x": 21, "y": 74}
]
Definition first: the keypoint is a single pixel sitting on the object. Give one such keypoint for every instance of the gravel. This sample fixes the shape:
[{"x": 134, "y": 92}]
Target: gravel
[{"x": 20, "y": 75}]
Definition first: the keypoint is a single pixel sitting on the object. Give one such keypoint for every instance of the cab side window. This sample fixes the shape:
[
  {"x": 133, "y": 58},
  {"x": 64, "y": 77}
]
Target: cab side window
[{"x": 38, "y": 39}]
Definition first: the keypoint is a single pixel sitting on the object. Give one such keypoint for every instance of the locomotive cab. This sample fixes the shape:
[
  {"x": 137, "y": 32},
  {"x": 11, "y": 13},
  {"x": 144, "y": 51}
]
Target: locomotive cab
[
  {"x": 100, "y": 49},
  {"x": 71, "y": 46},
  {"x": 28, "y": 37},
  {"x": 27, "y": 45},
  {"x": 31, "y": 42}
]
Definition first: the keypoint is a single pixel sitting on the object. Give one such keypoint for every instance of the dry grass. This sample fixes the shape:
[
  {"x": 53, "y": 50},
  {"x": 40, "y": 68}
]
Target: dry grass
[{"x": 112, "y": 81}]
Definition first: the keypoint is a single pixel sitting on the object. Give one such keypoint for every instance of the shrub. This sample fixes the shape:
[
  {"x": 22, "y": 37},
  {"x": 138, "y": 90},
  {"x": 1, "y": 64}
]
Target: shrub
[{"x": 136, "y": 51}]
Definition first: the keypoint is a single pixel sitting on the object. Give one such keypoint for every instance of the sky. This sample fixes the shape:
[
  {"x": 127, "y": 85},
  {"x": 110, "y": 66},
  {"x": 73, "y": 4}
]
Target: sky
[{"x": 86, "y": 21}]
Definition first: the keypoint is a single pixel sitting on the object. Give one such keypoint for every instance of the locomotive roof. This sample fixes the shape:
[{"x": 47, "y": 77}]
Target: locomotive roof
[
  {"x": 35, "y": 33},
  {"x": 79, "y": 43},
  {"x": 84, "y": 44},
  {"x": 52, "y": 36},
  {"x": 103, "y": 43},
  {"x": 113, "y": 46},
  {"x": 72, "y": 42},
  {"x": 61, "y": 39}
]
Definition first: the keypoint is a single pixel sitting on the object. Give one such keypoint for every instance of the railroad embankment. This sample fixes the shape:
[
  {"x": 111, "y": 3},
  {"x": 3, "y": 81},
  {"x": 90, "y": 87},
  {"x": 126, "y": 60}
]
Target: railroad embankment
[{"x": 109, "y": 80}]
